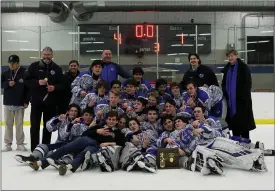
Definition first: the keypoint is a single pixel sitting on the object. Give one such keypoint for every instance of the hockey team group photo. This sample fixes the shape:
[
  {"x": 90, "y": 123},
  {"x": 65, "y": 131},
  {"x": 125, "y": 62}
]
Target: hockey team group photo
[{"x": 110, "y": 118}]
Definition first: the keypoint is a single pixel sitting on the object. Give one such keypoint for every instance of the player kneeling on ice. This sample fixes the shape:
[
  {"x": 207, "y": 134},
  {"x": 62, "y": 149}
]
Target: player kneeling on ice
[
  {"x": 69, "y": 126},
  {"x": 140, "y": 149}
]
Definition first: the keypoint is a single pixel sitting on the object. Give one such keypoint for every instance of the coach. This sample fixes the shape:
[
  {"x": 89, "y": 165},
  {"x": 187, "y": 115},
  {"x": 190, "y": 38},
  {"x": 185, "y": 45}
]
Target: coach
[
  {"x": 111, "y": 70},
  {"x": 44, "y": 78}
]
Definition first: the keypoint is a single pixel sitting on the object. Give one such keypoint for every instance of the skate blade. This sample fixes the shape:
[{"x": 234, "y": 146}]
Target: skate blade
[
  {"x": 143, "y": 165},
  {"x": 86, "y": 160},
  {"x": 130, "y": 167},
  {"x": 19, "y": 159},
  {"x": 52, "y": 163},
  {"x": 102, "y": 161}
]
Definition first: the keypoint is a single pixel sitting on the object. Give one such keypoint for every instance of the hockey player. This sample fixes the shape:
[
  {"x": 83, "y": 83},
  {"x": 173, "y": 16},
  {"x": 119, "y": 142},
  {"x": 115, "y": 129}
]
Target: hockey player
[
  {"x": 143, "y": 85},
  {"x": 140, "y": 149},
  {"x": 59, "y": 124},
  {"x": 102, "y": 108},
  {"x": 130, "y": 96},
  {"x": 176, "y": 94},
  {"x": 99, "y": 95},
  {"x": 168, "y": 128},
  {"x": 152, "y": 122},
  {"x": 138, "y": 110},
  {"x": 86, "y": 82},
  {"x": 93, "y": 137},
  {"x": 154, "y": 100},
  {"x": 194, "y": 97},
  {"x": 162, "y": 89},
  {"x": 116, "y": 86}
]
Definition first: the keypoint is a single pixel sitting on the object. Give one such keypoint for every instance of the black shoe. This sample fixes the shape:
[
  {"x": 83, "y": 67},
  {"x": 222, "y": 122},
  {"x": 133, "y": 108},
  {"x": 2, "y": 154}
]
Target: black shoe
[
  {"x": 105, "y": 162},
  {"x": 62, "y": 169},
  {"x": 24, "y": 159}
]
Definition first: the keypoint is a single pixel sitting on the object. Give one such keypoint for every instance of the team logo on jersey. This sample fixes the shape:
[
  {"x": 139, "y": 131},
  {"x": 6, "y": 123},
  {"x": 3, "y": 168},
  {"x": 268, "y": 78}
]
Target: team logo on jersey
[
  {"x": 52, "y": 72},
  {"x": 201, "y": 75},
  {"x": 21, "y": 80},
  {"x": 112, "y": 69}
]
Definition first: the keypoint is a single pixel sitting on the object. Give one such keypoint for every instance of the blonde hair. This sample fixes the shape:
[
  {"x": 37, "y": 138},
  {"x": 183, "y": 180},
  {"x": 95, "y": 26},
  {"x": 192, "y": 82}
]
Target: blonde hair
[{"x": 232, "y": 51}]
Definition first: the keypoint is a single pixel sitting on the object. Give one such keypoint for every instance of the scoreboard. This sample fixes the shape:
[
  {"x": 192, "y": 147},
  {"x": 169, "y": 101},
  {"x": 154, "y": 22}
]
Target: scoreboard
[{"x": 170, "y": 39}]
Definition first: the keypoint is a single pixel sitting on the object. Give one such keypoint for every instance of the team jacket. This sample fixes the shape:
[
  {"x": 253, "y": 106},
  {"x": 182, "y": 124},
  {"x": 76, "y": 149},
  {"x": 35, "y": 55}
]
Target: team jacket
[
  {"x": 152, "y": 135},
  {"x": 18, "y": 94},
  {"x": 111, "y": 71},
  {"x": 86, "y": 81},
  {"x": 92, "y": 96},
  {"x": 39, "y": 71},
  {"x": 66, "y": 130}
]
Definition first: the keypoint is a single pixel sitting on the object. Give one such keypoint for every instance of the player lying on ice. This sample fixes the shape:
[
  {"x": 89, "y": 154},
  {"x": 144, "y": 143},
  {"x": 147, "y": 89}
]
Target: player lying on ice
[{"x": 207, "y": 151}]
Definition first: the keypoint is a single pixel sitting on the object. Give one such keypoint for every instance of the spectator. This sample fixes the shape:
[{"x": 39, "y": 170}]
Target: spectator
[
  {"x": 65, "y": 96},
  {"x": 15, "y": 101},
  {"x": 236, "y": 86},
  {"x": 111, "y": 70},
  {"x": 45, "y": 80},
  {"x": 201, "y": 74}
]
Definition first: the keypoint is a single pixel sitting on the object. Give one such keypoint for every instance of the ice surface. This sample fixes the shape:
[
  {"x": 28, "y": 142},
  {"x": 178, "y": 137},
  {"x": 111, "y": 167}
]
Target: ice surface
[{"x": 17, "y": 176}]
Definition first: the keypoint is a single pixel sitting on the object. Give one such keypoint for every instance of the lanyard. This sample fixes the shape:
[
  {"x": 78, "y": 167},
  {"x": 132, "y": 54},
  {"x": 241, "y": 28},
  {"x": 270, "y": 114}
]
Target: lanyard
[{"x": 13, "y": 77}]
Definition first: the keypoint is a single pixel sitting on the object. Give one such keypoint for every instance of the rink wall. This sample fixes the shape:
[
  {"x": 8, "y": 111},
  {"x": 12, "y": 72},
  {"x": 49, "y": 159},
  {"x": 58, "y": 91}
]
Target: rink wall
[{"x": 263, "y": 108}]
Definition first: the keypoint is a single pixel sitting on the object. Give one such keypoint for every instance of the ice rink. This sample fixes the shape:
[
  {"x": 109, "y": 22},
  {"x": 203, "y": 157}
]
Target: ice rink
[{"x": 17, "y": 176}]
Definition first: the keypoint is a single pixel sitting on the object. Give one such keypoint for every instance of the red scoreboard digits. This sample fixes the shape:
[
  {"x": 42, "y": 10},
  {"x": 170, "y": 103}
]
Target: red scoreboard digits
[{"x": 145, "y": 31}]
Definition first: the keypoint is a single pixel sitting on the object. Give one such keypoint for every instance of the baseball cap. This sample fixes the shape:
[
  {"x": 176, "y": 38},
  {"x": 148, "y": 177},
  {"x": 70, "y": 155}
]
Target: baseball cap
[{"x": 13, "y": 59}]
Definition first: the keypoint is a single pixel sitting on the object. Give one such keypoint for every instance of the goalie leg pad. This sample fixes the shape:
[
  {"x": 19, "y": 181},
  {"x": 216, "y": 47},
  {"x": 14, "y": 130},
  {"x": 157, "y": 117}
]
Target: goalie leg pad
[{"x": 237, "y": 156}]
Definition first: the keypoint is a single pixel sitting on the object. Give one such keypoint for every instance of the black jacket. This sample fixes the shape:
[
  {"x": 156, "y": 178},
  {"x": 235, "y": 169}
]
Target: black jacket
[
  {"x": 39, "y": 71},
  {"x": 243, "y": 120},
  {"x": 203, "y": 75},
  {"x": 117, "y": 136},
  {"x": 18, "y": 94},
  {"x": 68, "y": 78}
]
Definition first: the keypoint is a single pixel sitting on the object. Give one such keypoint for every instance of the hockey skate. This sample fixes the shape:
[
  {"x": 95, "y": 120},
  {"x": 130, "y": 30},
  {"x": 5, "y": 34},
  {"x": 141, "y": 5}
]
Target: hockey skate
[
  {"x": 24, "y": 159},
  {"x": 132, "y": 162},
  {"x": 146, "y": 165},
  {"x": 62, "y": 169},
  {"x": 87, "y": 161},
  {"x": 33, "y": 165},
  {"x": 54, "y": 163},
  {"x": 105, "y": 162}
]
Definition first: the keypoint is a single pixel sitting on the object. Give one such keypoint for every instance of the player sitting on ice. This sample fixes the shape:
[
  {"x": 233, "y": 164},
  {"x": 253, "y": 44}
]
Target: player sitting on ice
[
  {"x": 176, "y": 94},
  {"x": 138, "y": 110},
  {"x": 102, "y": 108},
  {"x": 143, "y": 86},
  {"x": 90, "y": 140},
  {"x": 99, "y": 95},
  {"x": 152, "y": 122},
  {"x": 69, "y": 126},
  {"x": 85, "y": 82},
  {"x": 140, "y": 149}
]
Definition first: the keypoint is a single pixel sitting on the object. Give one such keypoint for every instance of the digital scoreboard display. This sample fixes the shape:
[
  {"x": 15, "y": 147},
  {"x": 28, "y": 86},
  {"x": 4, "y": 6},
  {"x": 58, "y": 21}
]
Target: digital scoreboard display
[{"x": 147, "y": 38}]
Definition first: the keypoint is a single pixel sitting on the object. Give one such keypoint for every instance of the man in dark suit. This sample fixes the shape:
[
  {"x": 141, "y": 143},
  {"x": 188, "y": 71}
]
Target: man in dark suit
[{"x": 236, "y": 86}]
